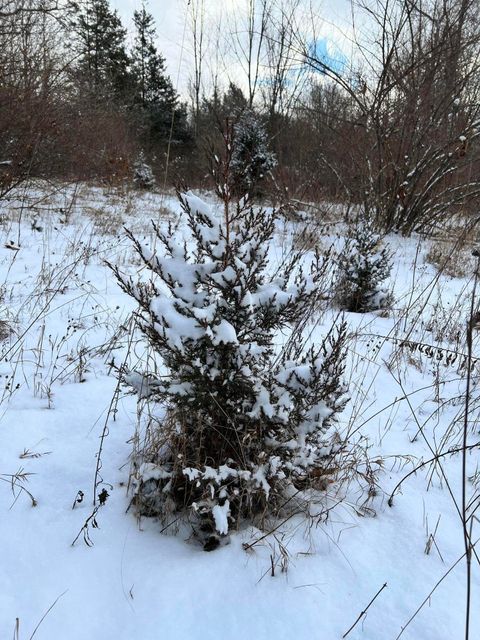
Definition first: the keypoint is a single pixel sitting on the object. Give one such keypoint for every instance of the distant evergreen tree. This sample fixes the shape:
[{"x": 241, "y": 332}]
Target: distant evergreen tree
[
  {"x": 233, "y": 101},
  {"x": 148, "y": 64},
  {"x": 155, "y": 92},
  {"x": 220, "y": 106},
  {"x": 251, "y": 158},
  {"x": 103, "y": 62},
  {"x": 143, "y": 177}
]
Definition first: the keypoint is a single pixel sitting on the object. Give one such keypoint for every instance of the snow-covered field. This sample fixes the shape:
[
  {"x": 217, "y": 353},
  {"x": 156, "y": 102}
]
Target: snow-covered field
[{"x": 63, "y": 323}]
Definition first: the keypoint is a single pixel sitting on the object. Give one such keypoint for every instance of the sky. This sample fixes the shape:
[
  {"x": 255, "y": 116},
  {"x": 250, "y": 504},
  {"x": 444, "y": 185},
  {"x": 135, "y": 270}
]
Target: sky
[
  {"x": 173, "y": 29},
  {"x": 169, "y": 17}
]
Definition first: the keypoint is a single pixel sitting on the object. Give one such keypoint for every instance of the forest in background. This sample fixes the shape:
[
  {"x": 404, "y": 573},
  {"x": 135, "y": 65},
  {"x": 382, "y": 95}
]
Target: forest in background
[{"x": 387, "y": 117}]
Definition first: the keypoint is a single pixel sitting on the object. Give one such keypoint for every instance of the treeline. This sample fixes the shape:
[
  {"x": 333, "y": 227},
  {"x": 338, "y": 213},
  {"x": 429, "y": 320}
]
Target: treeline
[
  {"x": 393, "y": 127},
  {"x": 76, "y": 101}
]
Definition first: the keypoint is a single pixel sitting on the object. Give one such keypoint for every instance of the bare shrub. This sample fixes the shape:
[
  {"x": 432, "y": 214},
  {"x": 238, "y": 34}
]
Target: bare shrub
[{"x": 408, "y": 120}]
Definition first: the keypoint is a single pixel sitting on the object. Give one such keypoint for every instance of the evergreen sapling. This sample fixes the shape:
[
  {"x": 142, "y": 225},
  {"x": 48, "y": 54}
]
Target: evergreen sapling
[
  {"x": 245, "y": 424},
  {"x": 143, "y": 177},
  {"x": 363, "y": 266},
  {"x": 251, "y": 157}
]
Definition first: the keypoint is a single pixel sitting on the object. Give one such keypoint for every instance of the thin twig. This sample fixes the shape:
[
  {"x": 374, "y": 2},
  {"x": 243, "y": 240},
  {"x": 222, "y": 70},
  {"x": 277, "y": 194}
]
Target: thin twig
[
  {"x": 466, "y": 535},
  {"x": 364, "y": 612},
  {"x": 46, "y": 613},
  {"x": 429, "y": 461},
  {"x": 437, "y": 584}
]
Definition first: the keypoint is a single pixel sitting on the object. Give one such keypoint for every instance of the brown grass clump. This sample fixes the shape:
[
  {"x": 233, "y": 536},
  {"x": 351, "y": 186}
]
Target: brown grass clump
[
  {"x": 5, "y": 330},
  {"x": 453, "y": 261}
]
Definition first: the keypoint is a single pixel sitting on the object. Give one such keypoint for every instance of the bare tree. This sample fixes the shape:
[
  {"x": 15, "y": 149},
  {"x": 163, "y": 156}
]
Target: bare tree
[
  {"x": 284, "y": 74},
  {"x": 49, "y": 126},
  {"x": 197, "y": 24},
  {"x": 12, "y": 8},
  {"x": 248, "y": 28},
  {"x": 414, "y": 104},
  {"x": 31, "y": 75}
]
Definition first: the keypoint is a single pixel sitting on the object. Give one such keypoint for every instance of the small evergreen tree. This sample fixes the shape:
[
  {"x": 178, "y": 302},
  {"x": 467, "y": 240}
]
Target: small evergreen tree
[
  {"x": 245, "y": 424},
  {"x": 142, "y": 173},
  {"x": 251, "y": 159},
  {"x": 362, "y": 267}
]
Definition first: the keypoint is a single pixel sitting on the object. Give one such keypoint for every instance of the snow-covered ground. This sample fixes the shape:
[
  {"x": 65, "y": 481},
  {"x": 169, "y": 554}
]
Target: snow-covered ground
[{"x": 64, "y": 321}]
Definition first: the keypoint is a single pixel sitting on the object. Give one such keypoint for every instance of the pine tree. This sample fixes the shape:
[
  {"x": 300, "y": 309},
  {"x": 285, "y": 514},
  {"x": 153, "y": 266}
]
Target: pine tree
[
  {"x": 218, "y": 108},
  {"x": 251, "y": 159},
  {"x": 234, "y": 101},
  {"x": 103, "y": 60},
  {"x": 155, "y": 92},
  {"x": 143, "y": 177},
  {"x": 362, "y": 267},
  {"x": 245, "y": 424}
]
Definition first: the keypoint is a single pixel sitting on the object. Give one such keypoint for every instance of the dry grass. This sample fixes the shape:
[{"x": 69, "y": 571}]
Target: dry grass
[
  {"x": 104, "y": 223},
  {"x": 4, "y": 330},
  {"x": 453, "y": 262}
]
